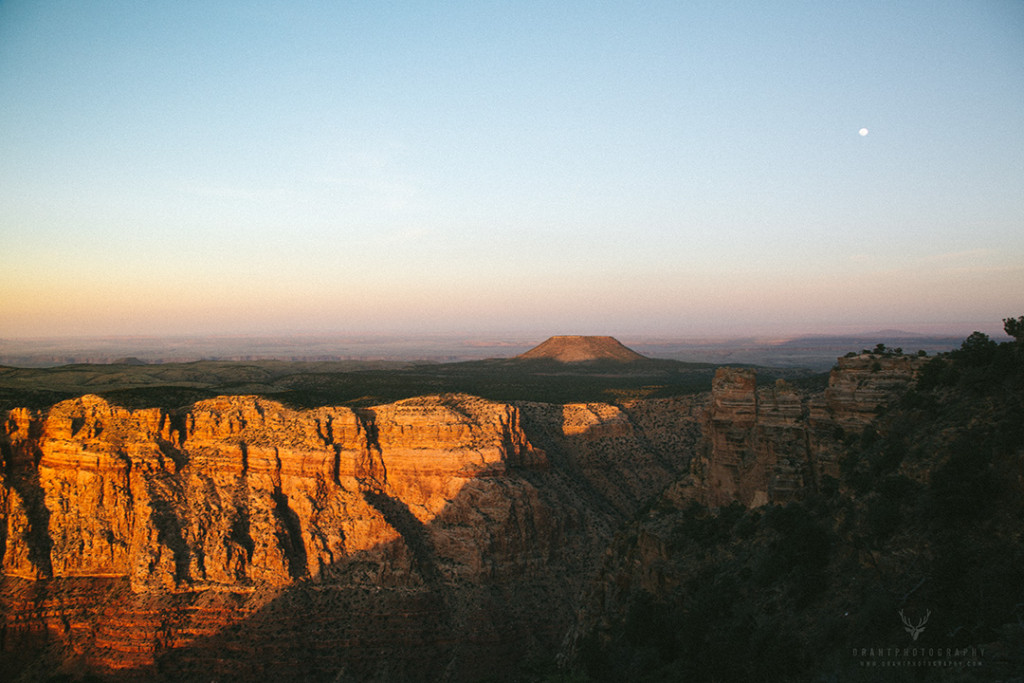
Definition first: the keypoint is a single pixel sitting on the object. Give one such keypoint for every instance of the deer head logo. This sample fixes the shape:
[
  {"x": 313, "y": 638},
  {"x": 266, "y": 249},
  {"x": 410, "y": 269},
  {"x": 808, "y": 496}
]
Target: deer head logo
[{"x": 913, "y": 630}]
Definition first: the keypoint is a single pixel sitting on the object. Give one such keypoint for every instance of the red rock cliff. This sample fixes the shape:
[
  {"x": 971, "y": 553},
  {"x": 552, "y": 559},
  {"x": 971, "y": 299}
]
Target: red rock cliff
[
  {"x": 182, "y": 540},
  {"x": 434, "y": 538},
  {"x": 237, "y": 492}
]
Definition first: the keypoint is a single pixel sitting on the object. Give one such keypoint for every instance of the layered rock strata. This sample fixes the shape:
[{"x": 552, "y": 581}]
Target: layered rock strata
[
  {"x": 772, "y": 444},
  {"x": 759, "y": 445},
  {"x": 435, "y": 538},
  {"x": 309, "y": 542},
  {"x": 238, "y": 492}
]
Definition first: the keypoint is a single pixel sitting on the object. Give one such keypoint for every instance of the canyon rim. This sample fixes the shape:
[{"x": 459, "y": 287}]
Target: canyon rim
[{"x": 450, "y": 537}]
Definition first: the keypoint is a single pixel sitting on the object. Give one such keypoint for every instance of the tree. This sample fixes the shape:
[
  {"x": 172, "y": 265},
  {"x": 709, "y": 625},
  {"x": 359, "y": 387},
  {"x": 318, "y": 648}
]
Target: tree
[
  {"x": 977, "y": 349},
  {"x": 1015, "y": 328}
]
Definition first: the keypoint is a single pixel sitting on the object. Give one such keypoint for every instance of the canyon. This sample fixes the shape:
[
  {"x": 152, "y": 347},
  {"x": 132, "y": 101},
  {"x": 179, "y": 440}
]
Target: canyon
[{"x": 443, "y": 537}]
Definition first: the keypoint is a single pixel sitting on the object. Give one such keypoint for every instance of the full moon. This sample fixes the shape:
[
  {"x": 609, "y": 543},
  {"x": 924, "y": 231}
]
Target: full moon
[{"x": 863, "y": 132}]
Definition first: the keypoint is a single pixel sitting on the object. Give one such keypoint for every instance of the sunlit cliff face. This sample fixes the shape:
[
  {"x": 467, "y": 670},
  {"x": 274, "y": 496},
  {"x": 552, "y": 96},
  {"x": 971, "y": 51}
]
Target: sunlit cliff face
[
  {"x": 442, "y": 528},
  {"x": 237, "y": 491}
]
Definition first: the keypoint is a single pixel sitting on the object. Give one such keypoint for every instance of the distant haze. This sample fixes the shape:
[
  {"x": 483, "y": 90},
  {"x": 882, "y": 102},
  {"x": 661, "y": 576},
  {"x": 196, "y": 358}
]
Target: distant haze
[
  {"x": 816, "y": 352},
  {"x": 524, "y": 169}
]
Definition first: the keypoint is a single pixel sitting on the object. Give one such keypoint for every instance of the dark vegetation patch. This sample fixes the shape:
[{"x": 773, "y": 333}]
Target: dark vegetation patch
[
  {"x": 308, "y": 385},
  {"x": 927, "y": 517},
  {"x": 34, "y": 399},
  {"x": 157, "y": 397}
]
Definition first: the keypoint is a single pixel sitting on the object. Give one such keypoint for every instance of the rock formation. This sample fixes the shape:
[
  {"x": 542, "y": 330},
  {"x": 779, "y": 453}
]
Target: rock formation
[
  {"x": 237, "y": 492},
  {"x": 437, "y": 537},
  {"x": 145, "y": 541},
  {"x": 885, "y": 507},
  {"x": 770, "y": 444},
  {"x": 579, "y": 349},
  {"x": 859, "y": 385}
]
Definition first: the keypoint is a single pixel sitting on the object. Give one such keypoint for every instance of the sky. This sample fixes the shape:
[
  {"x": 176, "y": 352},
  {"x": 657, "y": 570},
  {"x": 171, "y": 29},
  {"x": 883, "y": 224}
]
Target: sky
[{"x": 478, "y": 167}]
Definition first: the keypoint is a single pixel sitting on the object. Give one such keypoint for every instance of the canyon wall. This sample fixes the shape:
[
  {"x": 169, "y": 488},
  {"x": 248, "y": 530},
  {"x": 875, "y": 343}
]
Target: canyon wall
[
  {"x": 444, "y": 537},
  {"x": 771, "y": 444},
  {"x": 896, "y": 497},
  {"x": 431, "y": 534},
  {"x": 237, "y": 492}
]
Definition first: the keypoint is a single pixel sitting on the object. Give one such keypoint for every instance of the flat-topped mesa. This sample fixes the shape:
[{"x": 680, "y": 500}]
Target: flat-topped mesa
[{"x": 582, "y": 349}]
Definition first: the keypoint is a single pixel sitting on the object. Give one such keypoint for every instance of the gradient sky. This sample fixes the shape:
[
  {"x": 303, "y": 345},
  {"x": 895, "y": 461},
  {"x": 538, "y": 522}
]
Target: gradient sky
[{"x": 530, "y": 167}]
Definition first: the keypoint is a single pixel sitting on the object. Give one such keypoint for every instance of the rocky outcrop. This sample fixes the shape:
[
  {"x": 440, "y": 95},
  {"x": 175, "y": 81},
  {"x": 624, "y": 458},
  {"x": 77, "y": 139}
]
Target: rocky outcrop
[
  {"x": 757, "y": 442},
  {"x": 772, "y": 444},
  {"x": 437, "y": 537},
  {"x": 150, "y": 540},
  {"x": 861, "y": 384},
  {"x": 238, "y": 492},
  {"x": 925, "y": 519}
]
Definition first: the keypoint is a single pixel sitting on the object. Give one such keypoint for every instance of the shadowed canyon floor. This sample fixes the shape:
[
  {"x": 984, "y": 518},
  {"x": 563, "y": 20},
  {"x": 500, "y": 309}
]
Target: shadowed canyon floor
[{"x": 711, "y": 536}]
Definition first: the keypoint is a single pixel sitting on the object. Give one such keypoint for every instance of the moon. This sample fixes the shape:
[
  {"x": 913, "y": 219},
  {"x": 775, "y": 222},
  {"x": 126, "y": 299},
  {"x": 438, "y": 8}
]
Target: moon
[{"x": 863, "y": 132}]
